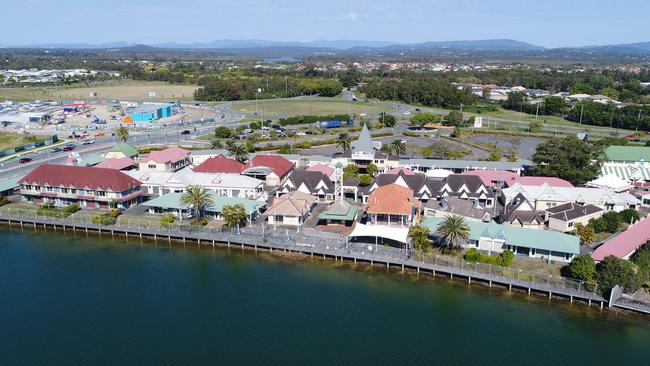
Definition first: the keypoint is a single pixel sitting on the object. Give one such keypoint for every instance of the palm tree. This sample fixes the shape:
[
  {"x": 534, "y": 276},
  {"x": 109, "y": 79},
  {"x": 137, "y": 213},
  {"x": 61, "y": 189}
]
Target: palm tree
[
  {"x": 344, "y": 142},
  {"x": 237, "y": 151},
  {"x": 454, "y": 231},
  {"x": 234, "y": 215},
  {"x": 196, "y": 197},
  {"x": 398, "y": 147},
  {"x": 216, "y": 143},
  {"x": 420, "y": 236},
  {"x": 122, "y": 133}
]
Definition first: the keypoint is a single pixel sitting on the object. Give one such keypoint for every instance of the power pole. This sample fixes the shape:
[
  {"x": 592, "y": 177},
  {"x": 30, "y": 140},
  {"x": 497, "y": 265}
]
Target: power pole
[
  {"x": 582, "y": 108},
  {"x": 638, "y": 120}
]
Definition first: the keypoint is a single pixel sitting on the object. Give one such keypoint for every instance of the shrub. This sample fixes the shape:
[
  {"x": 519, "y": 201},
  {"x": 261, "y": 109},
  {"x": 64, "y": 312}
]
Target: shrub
[
  {"x": 504, "y": 259},
  {"x": 365, "y": 180},
  {"x": 167, "y": 220},
  {"x": 582, "y": 268},
  {"x": 70, "y": 209}
]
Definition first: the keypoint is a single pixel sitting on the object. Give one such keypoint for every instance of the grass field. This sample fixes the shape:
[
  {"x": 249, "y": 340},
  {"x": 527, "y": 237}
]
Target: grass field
[
  {"x": 273, "y": 109},
  {"x": 129, "y": 90},
  {"x": 11, "y": 140}
]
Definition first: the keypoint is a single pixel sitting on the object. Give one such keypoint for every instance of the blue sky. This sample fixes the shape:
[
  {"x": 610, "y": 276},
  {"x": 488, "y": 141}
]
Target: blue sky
[{"x": 549, "y": 23}]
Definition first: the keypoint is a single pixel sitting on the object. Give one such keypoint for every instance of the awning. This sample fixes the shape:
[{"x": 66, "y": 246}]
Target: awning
[{"x": 399, "y": 234}]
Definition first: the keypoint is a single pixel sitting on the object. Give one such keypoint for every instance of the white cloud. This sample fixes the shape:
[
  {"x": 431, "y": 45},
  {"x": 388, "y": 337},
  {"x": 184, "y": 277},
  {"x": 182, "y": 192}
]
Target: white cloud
[{"x": 352, "y": 16}]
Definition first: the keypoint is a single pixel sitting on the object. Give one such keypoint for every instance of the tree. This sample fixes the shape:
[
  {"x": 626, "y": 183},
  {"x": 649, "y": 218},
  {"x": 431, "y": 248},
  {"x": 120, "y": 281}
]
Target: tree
[
  {"x": 350, "y": 171},
  {"x": 372, "y": 169},
  {"x": 238, "y": 151},
  {"x": 641, "y": 258},
  {"x": 420, "y": 236},
  {"x": 456, "y": 133},
  {"x": 122, "y": 133},
  {"x": 234, "y": 215},
  {"x": 216, "y": 143},
  {"x": 453, "y": 232},
  {"x": 587, "y": 233},
  {"x": 494, "y": 155},
  {"x": 196, "y": 197},
  {"x": 568, "y": 158},
  {"x": 535, "y": 127},
  {"x": 344, "y": 142},
  {"x": 582, "y": 268},
  {"x": 398, "y": 147},
  {"x": 424, "y": 118},
  {"x": 222, "y": 132},
  {"x": 365, "y": 180},
  {"x": 554, "y": 106},
  {"x": 614, "y": 271},
  {"x": 388, "y": 120},
  {"x": 455, "y": 118}
]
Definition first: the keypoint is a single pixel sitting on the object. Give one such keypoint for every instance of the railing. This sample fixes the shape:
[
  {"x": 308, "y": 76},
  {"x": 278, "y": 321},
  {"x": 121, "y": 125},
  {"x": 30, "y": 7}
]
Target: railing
[{"x": 330, "y": 244}]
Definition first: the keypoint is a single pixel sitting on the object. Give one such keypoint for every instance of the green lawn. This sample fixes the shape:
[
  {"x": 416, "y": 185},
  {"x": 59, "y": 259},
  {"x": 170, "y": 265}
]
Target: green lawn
[
  {"x": 10, "y": 140},
  {"x": 277, "y": 108}
]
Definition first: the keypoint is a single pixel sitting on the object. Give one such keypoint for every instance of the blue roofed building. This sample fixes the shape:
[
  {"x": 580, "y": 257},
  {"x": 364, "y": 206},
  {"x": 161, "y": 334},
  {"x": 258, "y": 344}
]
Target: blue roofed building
[{"x": 150, "y": 113}]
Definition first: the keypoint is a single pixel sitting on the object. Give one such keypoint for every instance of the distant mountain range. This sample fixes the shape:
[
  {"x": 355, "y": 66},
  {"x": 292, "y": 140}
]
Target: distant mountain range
[{"x": 348, "y": 46}]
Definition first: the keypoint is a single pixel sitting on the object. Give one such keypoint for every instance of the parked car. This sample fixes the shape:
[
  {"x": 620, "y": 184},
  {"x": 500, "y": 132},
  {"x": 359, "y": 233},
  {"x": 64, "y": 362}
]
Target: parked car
[
  {"x": 266, "y": 128},
  {"x": 239, "y": 137},
  {"x": 301, "y": 133},
  {"x": 55, "y": 150},
  {"x": 185, "y": 132},
  {"x": 88, "y": 142},
  {"x": 247, "y": 131},
  {"x": 24, "y": 160}
]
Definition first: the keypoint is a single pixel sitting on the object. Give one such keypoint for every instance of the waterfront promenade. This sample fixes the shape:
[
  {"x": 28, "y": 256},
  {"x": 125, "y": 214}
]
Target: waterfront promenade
[{"x": 332, "y": 246}]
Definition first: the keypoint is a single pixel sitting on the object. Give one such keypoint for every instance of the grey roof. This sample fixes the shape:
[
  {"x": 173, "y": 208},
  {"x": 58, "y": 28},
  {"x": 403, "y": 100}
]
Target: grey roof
[
  {"x": 459, "y": 206},
  {"x": 571, "y": 211},
  {"x": 310, "y": 179},
  {"x": 465, "y": 164},
  {"x": 415, "y": 182},
  {"x": 364, "y": 142},
  {"x": 472, "y": 182},
  {"x": 513, "y": 212}
]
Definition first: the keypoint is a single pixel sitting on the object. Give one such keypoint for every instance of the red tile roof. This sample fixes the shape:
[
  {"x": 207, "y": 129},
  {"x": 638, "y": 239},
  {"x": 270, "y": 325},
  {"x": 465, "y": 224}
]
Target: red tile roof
[
  {"x": 392, "y": 199},
  {"x": 80, "y": 177},
  {"x": 626, "y": 243},
  {"x": 327, "y": 170},
  {"x": 170, "y": 154},
  {"x": 278, "y": 164},
  {"x": 220, "y": 164}
]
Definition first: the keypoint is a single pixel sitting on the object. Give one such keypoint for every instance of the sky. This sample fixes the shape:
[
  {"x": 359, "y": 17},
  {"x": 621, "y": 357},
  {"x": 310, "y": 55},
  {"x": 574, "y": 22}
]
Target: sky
[{"x": 550, "y": 23}]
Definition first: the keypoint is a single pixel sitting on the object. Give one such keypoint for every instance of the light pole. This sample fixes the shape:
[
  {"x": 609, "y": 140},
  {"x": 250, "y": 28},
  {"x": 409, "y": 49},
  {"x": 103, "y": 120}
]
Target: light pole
[
  {"x": 582, "y": 108},
  {"x": 638, "y": 120}
]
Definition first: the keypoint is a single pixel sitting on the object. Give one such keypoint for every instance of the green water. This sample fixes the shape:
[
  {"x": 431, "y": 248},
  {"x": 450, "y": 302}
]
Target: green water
[{"x": 70, "y": 300}]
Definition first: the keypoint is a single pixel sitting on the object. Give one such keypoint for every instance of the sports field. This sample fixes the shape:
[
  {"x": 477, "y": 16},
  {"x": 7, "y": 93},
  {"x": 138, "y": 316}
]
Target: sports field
[
  {"x": 122, "y": 90},
  {"x": 276, "y": 108}
]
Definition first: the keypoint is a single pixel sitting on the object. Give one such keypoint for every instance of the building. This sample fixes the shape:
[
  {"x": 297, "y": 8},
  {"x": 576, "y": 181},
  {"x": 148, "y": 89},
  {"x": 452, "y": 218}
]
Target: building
[
  {"x": 449, "y": 206},
  {"x": 520, "y": 212},
  {"x": 467, "y": 187},
  {"x": 170, "y": 159},
  {"x": 627, "y": 162},
  {"x": 171, "y": 203},
  {"x": 626, "y": 243},
  {"x": 315, "y": 183},
  {"x": 121, "y": 150},
  {"x": 423, "y": 189},
  {"x": 88, "y": 187},
  {"x": 157, "y": 183},
  {"x": 364, "y": 151},
  {"x": 291, "y": 209},
  {"x": 8, "y": 187},
  {"x": 565, "y": 217},
  {"x": 504, "y": 178},
  {"x": 494, "y": 238},
  {"x": 544, "y": 197},
  {"x": 392, "y": 205},
  {"x": 610, "y": 181},
  {"x": 150, "y": 113},
  {"x": 338, "y": 214},
  {"x": 125, "y": 163},
  {"x": 273, "y": 169},
  {"x": 460, "y": 166},
  {"x": 220, "y": 164}
]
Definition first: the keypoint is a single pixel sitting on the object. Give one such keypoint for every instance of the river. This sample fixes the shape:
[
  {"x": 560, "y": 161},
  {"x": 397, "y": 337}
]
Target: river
[{"x": 68, "y": 299}]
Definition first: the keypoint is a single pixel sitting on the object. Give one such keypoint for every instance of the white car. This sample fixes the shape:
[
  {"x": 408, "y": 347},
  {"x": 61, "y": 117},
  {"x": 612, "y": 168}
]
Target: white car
[
  {"x": 301, "y": 133},
  {"x": 88, "y": 142},
  {"x": 266, "y": 128}
]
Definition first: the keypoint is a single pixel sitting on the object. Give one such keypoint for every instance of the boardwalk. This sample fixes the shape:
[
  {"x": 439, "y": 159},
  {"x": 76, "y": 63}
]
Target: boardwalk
[{"x": 331, "y": 246}]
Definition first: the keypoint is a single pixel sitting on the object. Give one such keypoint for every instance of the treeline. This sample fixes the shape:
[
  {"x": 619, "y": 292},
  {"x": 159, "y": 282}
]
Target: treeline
[
  {"x": 549, "y": 106},
  {"x": 598, "y": 114},
  {"x": 214, "y": 89},
  {"x": 429, "y": 92}
]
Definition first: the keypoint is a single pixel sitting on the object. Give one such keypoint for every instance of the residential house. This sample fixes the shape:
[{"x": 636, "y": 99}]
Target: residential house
[
  {"x": 610, "y": 181},
  {"x": 88, "y": 187},
  {"x": 170, "y": 159},
  {"x": 338, "y": 214},
  {"x": 467, "y": 187},
  {"x": 157, "y": 183},
  {"x": 171, "y": 203},
  {"x": 449, "y": 206},
  {"x": 220, "y": 164},
  {"x": 565, "y": 217},
  {"x": 544, "y": 197},
  {"x": 315, "y": 183},
  {"x": 460, "y": 166},
  {"x": 125, "y": 163},
  {"x": 8, "y": 187},
  {"x": 325, "y": 169},
  {"x": 273, "y": 169},
  {"x": 121, "y": 150},
  {"x": 423, "y": 189},
  {"x": 498, "y": 179},
  {"x": 494, "y": 238},
  {"x": 290, "y": 209}
]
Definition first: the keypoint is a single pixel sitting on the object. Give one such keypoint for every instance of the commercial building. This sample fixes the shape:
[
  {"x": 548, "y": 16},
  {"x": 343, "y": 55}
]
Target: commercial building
[
  {"x": 89, "y": 187},
  {"x": 170, "y": 159},
  {"x": 150, "y": 113}
]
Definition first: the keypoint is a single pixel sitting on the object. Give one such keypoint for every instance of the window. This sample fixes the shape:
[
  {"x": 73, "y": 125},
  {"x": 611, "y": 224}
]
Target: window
[{"x": 101, "y": 193}]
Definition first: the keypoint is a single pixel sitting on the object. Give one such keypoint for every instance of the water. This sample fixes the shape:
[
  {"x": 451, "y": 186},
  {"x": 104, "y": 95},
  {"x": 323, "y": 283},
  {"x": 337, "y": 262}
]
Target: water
[{"x": 67, "y": 299}]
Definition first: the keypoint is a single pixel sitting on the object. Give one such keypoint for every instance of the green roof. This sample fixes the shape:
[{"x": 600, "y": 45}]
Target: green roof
[
  {"x": 337, "y": 211},
  {"x": 91, "y": 160},
  {"x": 9, "y": 184},
  {"x": 125, "y": 149},
  {"x": 628, "y": 153},
  {"x": 173, "y": 201},
  {"x": 514, "y": 235}
]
